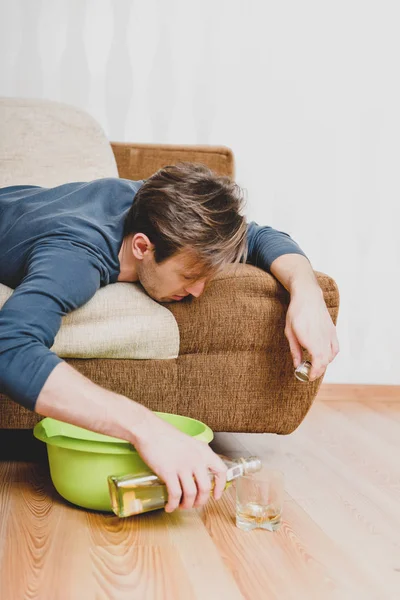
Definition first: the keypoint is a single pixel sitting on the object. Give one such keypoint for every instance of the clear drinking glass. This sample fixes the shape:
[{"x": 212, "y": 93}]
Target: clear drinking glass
[{"x": 259, "y": 500}]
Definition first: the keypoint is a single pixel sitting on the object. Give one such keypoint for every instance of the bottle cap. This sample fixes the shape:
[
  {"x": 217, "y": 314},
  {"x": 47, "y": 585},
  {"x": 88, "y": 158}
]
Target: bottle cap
[
  {"x": 303, "y": 371},
  {"x": 252, "y": 464}
]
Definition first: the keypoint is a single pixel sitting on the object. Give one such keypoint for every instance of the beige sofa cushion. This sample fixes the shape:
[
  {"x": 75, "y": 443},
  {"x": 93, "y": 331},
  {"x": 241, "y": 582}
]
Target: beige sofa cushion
[
  {"x": 48, "y": 143},
  {"x": 120, "y": 321}
]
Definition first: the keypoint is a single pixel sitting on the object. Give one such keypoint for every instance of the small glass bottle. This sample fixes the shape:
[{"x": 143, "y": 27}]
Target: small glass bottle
[
  {"x": 302, "y": 372},
  {"x": 142, "y": 492}
]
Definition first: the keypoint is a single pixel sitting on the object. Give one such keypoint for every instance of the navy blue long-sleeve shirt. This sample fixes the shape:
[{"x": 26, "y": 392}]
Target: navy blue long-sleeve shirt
[{"x": 57, "y": 247}]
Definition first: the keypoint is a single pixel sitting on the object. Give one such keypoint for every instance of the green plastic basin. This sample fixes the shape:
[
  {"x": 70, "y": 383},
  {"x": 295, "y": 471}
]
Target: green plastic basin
[{"x": 81, "y": 460}]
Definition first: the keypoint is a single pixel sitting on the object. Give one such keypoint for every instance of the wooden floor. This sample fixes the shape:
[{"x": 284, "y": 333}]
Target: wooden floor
[{"x": 340, "y": 538}]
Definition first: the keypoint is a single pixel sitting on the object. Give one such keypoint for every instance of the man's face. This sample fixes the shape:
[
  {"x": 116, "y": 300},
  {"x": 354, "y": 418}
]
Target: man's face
[{"x": 172, "y": 280}]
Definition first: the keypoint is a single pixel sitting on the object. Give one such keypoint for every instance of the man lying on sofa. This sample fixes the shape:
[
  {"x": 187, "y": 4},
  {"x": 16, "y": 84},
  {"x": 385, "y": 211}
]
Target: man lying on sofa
[{"x": 172, "y": 233}]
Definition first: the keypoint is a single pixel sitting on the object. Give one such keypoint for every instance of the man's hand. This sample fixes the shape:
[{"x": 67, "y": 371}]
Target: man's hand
[
  {"x": 181, "y": 461},
  {"x": 308, "y": 322},
  {"x": 309, "y": 325}
]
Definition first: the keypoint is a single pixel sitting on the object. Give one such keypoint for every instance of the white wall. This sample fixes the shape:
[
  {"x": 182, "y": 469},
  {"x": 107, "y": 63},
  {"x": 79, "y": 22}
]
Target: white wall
[{"x": 307, "y": 94}]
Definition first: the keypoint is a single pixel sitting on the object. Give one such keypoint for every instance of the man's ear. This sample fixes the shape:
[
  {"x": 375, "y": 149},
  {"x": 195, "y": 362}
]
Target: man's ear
[{"x": 141, "y": 246}]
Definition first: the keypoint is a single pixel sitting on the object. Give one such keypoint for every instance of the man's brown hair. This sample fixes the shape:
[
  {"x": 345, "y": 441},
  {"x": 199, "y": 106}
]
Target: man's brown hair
[{"x": 188, "y": 206}]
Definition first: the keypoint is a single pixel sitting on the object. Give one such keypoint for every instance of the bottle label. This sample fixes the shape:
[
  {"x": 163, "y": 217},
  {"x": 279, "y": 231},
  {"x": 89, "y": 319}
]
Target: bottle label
[{"x": 234, "y": 472}]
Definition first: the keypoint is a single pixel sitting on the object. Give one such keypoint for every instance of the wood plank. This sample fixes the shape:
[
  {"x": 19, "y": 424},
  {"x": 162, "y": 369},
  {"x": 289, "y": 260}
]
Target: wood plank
[
  {"x": 298, "y": 561},
  {"x": 358, "y": 392},
  {"x": 379, "y": 424},
  {"x": 7, "y": 474},
  {"x": 140, "y": 572},
  {"x": 353, "y": 506},
  {"x": 209, "y": 575},
  {"x": 389, "y": 410},
  {"x": 340, "y": 537},
  {"x": 180, "y": 536},
  {"x": 372, "y": 462},
  {"x": 47, "y": 554}
]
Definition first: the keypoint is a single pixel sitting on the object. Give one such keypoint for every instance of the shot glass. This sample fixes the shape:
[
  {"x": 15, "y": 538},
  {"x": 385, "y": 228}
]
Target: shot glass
[{"x": 259, "y": 500}]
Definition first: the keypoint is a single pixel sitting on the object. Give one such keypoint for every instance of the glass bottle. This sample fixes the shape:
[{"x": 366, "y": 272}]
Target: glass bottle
[
  {"x": 142, "y": 492},
  {"x": 302, "y": 373}
]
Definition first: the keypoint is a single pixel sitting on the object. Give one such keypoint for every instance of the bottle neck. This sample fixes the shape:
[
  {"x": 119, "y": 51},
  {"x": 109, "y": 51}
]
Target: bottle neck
[{"x": 242, "y": 466}]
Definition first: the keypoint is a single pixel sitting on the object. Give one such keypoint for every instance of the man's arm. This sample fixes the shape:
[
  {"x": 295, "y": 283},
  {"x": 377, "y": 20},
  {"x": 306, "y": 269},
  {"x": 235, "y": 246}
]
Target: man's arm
[
  {"x": 70, "y": 397},
  {"x": 58, "y": 279},
  {"x": 296, "y": 274},
  {"x": 308, "y": 323},
  {"x": 266, "y": 244}
]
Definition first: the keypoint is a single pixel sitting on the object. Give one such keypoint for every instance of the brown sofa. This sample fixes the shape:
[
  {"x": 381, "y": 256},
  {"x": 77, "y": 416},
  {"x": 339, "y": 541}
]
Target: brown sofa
[{"x": 234, "y": 369}]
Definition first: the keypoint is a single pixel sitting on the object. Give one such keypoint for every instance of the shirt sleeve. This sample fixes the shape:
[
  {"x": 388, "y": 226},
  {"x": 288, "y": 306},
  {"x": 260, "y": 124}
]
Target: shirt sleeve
[
  {"x": 265, "y": 244},
  {"x": 57, "y": 280}
]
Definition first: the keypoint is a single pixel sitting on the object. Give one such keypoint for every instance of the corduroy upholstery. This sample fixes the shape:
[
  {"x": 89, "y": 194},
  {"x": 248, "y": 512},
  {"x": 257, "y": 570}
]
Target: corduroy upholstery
[{"x": 234, "y": 369}]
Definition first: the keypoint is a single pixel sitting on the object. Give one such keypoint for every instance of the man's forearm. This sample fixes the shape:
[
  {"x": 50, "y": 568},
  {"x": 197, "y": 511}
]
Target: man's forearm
[
  {"x": 69, "y": 396},
  {"x": 296, "y": 274}
]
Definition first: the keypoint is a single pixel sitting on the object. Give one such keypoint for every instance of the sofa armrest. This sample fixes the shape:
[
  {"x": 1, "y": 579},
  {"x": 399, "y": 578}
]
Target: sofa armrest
[
  {"x": 138, "y": 161},
  {"x": 235, "y": 364},
  {"x": 242, "y": 309}
]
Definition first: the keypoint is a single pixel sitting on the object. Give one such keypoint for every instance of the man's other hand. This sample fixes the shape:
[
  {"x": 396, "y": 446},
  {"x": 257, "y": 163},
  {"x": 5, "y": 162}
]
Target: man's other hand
[{"x": 310, "y": 326}]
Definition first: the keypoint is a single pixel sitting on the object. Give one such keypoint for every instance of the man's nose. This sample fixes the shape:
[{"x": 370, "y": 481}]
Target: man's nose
[{"x": 196, "y": 289}]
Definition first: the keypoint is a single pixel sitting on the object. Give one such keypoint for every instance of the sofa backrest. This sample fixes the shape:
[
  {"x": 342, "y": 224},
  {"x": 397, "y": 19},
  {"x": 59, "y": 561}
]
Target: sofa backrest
[{"x": 48, "y": 143}]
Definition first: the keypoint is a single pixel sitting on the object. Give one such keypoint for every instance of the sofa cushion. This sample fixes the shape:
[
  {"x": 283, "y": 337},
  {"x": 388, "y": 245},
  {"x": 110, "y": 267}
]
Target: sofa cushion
[
  {"x": 119, "y": 321},
  {"x": 48, "y": 143}
]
